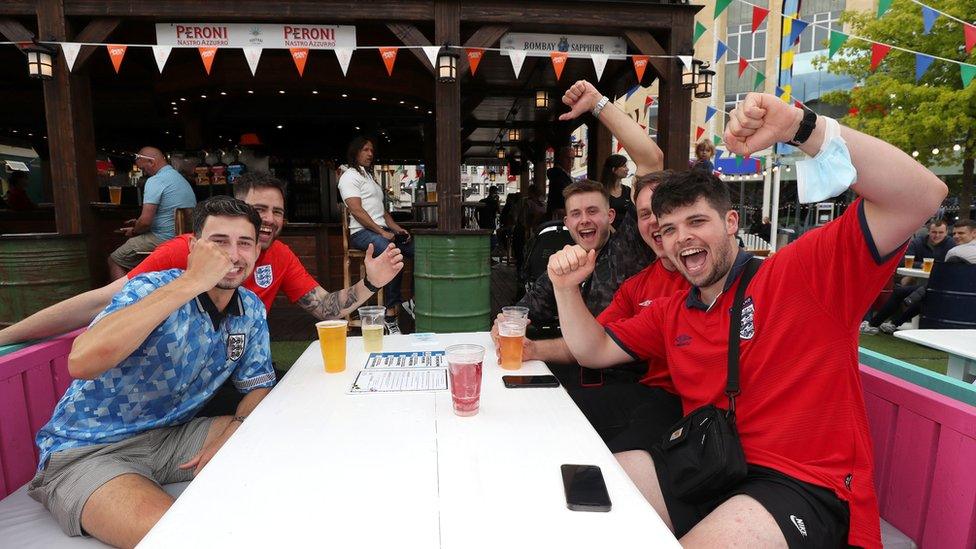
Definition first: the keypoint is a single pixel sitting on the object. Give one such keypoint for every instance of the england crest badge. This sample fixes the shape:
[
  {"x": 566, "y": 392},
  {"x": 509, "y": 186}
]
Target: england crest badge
[
  {"x": 235, "y": 346},
  {"x": 748, "y": 319},
  {"x": 263, "y": 276}
]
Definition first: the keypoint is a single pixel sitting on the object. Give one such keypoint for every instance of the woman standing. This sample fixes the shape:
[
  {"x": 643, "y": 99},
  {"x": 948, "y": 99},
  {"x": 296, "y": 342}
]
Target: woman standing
[{"x": 614, "y": 170}]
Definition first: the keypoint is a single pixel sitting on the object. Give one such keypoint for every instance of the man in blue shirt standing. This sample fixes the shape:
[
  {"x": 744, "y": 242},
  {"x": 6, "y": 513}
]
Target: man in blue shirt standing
[
  {"x": 165, "y": 192},
  {"x": 143, "y": 369}
]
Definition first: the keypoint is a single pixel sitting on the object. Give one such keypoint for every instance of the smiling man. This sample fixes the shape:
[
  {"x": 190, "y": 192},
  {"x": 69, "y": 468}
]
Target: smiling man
[
  {"x": 800, "y": 415},
  {"x": 149, "y": 362}
]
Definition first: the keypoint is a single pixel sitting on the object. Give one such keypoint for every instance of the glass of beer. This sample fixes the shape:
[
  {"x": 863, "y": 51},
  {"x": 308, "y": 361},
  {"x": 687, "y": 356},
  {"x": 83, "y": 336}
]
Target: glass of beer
[
  {"x": 115, "y": 194},
  {"x": 372, "y": 326},
  {"x": 909, "y": 261},
  {"x": 464, "y": 364},
  {"x": 511, "y": 333},
  {"x": 515, "y": 312},
  {"x": 332, "y": 339},
  {"x": 927, "y": 264},
  {"x": 431, "y": 192}
]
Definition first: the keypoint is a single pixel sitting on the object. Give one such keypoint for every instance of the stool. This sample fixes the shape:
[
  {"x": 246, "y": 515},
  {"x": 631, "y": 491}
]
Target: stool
[{"x": 352, "y": 254}]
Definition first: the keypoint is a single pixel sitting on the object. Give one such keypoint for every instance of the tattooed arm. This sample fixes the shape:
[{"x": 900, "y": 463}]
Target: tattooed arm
[{"x": 325, "y": 305}]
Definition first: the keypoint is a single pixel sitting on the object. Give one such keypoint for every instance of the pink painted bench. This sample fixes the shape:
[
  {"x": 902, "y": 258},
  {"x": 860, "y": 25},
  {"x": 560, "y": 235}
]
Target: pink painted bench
[
  {"x": 925, "y": 460},
  {"x": 32, "y": 381}
]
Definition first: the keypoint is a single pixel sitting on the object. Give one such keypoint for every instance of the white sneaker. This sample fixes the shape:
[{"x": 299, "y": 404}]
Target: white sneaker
[
  {"x": 888, "y": 328},
  {"x": 392, "y": 327},
  {"x": 867, "y": 328},
  {"x": 409, "y": 307}
]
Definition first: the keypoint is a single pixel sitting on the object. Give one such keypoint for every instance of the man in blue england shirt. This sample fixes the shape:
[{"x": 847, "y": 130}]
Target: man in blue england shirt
[
  {"x": 143, "y": 369},
  {"x": 165, "y": 192}
]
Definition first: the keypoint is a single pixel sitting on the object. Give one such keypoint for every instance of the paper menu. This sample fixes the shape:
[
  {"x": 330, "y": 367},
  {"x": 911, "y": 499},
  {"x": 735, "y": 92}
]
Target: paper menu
[
  {"x": 408, "y": 359},
  {"x": 398, "y": 381}
]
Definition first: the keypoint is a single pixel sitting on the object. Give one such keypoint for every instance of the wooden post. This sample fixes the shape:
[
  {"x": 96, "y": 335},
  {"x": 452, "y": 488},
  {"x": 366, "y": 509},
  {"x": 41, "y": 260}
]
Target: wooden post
[
  {"x": 71, "y": 133},
  {"x": 539, "y": 161},
  {"x": 674, "y": 111},
  {"x": 600, "y": 143},
  {"x": 447, "y": 101}
]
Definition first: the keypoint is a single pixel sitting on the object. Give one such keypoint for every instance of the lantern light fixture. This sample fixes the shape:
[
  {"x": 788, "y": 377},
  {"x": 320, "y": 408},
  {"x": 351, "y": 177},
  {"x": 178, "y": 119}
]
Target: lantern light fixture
[
  {"x": 541, "y": 99},
  {"x": 703, "y": 83},
  {"x": 689, "y": 76},
  {"x": 514, "y": 134},
  {"x": 40, "y": 60},
  {"x": 447, "y": 62}
]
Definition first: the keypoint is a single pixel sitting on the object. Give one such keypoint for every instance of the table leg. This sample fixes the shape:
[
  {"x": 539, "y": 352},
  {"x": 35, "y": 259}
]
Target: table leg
[{"x": 961, "y": 368}]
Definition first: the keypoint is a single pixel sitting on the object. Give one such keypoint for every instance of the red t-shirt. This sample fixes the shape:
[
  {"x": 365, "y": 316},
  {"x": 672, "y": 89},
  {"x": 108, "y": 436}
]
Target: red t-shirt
[
  {"x": 277, "y": 267},
  {"x": 632, "y": 297},
  {"x": 801, "y": 410}
]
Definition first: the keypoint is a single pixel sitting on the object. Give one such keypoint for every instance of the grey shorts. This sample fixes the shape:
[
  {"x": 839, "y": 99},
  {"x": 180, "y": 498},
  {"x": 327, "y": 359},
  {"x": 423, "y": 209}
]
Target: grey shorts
[
  {"x": 72, "y": 476},
  {"x": 127, "y": 255}
]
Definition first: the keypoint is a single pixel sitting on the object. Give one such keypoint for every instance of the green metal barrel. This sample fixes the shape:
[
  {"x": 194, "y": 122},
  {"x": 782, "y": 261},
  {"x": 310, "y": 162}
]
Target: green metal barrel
[
  {"x": 38, "y": 270},
  {"x": 452, "y": 274}
]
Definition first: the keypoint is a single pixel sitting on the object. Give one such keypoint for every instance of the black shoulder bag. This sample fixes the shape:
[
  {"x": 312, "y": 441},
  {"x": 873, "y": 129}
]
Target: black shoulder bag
[{"x": 702, "y": 452}]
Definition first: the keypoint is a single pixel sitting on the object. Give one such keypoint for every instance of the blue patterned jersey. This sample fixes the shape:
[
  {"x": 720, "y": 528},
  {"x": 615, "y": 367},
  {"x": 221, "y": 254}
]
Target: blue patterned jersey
[{"x": 176, "y": 370}]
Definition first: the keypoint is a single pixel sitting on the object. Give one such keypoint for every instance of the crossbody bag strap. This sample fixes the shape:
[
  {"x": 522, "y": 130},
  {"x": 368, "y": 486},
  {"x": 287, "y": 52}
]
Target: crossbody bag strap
[{"x": 735, "y": 328}]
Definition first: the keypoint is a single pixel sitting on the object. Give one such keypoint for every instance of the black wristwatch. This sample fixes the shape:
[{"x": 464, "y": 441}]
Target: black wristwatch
[
  {"x": 807, "y": 125},
  {"x": 369, "y": 285}
]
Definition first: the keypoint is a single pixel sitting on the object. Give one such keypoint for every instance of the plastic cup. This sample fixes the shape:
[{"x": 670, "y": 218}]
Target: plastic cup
[
  {"x": 927, "y": 264},
  {"x": 372, "y": 327},
  {"x": 332, "y": 339},
  {"x": 115, "y": 195},
  {"x": 431, "y": 192},
  {"x": 515, "y": 312},
  {"x": 909, "y": 261},
  {"x": 464, "y": 364},
  {"x": 511, "y": 333}
]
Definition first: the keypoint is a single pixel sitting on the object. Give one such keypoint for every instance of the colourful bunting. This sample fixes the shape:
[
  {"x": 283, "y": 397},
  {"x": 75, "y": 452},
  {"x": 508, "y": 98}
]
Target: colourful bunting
[
  {"x": 161, "y": 54},
  {"x": 116, "y": 52},
  {"x": 797, "y": 29},
  {"x": 648, "y": 101},
  {"x": 929, "y": 16},
  {"x": 878, "y": 52},
  {"x": 967, "y": 72},
  {"x": 797, "y": 104},
  {"x": 969, "y": 31},
  {"x": 253, "y": 55},
  {"x": 517, "y": 57},
  {"x": 720, "y": 6},
  {"x": 718, "y": 152},
  {"x": 760, "y": 78},
  {"x": 299, "y": 56},
  {"x": 640, "y": 65},
  {"x": 922, "y": 64},
  {"x": 474, "y": 58},
  {"x": 599, "y": 63},
  {"x": 837, "y": 40},
  {"x": 389, "y": 58},
  {"x": 207, "y": 56},
  {"x": 720, "y": 50},
  {"x": 698, "y": 132},
  {"x": 716, "y": 140},
  {"x": 738, "y": 160},
  {"x": 699, "y": 31},
  {"x": 743, "y": 65},
  {"x": 883, "y": 6},
  {"x": 709, "y": 113},
  {"x": 343, "y": 56},
  {"x": 558, "y": 62},
  {"x": 758, "y": 16},
  {"x": 70, "y": 51}
]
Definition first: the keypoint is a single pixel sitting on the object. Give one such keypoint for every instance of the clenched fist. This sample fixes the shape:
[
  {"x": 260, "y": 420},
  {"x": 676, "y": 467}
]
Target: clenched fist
[
  {"x": 759, "y": 121},
  {"x": 569, "y": 267}
]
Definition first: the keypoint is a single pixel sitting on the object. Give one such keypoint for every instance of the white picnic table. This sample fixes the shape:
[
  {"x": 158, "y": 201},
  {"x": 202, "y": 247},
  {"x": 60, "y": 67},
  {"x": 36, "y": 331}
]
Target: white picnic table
[
  {"x": 915, "y": 273},
  {"x": 316, "y": 466},
  {"x": 959, "y": 344}
]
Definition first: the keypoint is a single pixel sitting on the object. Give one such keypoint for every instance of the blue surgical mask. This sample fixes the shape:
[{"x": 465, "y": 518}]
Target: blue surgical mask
[{"x": 828, "y": 174}]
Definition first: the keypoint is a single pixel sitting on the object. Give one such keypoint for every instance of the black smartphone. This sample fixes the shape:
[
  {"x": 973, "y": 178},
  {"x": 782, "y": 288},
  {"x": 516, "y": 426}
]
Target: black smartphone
[
  {"x": 585, "y": 489},
  {"x": 519, "y": 382},
  {"x": 590, "y": 377}
]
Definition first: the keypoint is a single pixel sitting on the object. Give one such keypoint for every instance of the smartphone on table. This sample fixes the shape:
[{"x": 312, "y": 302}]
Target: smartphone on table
[
  {"x": 523, "y": 382},
  {"x": 585, "y": 488}
]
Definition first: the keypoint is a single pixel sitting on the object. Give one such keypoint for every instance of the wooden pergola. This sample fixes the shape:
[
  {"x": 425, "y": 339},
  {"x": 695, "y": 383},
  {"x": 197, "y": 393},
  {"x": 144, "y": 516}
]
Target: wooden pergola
[{"x": 465, "y": 116}]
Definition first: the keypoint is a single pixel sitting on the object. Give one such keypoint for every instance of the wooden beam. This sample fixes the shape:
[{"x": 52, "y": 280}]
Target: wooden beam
[
  {"x": 410, "y": 35},
  {"x": 522, "y": 124},
  {"x": 485, "y": 37},
  {"x": 674, "y": 107},
  {"x": 606, "y": 15},
  {"x": 98, "y": 30},
  {"x": 14, "y": 31},
  {"x": 17, "y": 7},
  {"x": 447, "y": 100},
  {"x": 643, "y": 42},
  {"x": 256, "y": 10}
]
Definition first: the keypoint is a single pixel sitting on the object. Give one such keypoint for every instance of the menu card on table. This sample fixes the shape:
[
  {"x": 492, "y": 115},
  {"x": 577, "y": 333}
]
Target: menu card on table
[{"x": 399, "y": 372}]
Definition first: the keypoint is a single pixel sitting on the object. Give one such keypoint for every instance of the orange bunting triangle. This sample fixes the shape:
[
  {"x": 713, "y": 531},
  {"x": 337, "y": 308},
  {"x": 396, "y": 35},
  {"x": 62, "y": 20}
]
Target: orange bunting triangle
[
  {"x": 698, "y": 132},
  {"x": 474, "y": 58},
  {"x": 116, "y": 52},
  {"x": 299, "y": 56},
  {"x": 389, "y": 58},
  {"x": 743, "y": 65},
  {"x": 558, "y": 62},
  {"x": 878, "y": 52},
  {"x": 207, "y": 55},
  {"x": 648, "y": 101},
  {"x": 640, "y": 65}
]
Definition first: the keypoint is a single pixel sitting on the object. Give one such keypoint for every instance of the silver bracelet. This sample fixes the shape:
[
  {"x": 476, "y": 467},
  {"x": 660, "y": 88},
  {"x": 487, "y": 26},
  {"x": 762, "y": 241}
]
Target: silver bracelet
[{"x": 599, "y": 106}]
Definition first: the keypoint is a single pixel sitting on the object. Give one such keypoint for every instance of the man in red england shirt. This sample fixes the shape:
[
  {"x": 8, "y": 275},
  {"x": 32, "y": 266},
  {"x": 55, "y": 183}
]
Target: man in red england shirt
[
  {"x": 277, "y": 268},
  {"x": 800, "y": 414}
]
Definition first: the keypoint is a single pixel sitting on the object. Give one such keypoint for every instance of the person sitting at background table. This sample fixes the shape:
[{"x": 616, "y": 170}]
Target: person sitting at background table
[
  {"x": 148, "y": 363},
  {"x": 964, "y": 236},
  {"x": 277, "y": 269},
  {"x": 800, "y": 413},
  {"x": 370, "y": 224},
  {"x": 621, "y": 197},
  {"x": 166, "y": 191}
]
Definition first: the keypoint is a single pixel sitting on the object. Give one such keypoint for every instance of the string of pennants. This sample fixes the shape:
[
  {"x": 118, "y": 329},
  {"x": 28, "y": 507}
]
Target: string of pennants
[
  {"x": 388, "y": 54},
  {"x": 879, "y": 50}
]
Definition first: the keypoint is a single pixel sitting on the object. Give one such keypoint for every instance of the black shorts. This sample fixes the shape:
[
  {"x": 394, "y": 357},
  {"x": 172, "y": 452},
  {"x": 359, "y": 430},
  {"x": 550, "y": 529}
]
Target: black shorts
[
  {"x": 626, "y": 416},
  {"x": 808, "y": 515}
]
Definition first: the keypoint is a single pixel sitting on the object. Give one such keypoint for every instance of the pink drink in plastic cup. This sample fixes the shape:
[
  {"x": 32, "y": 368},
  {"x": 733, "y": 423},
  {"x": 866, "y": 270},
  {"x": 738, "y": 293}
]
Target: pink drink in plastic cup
[{"x": 464, "y": 364}]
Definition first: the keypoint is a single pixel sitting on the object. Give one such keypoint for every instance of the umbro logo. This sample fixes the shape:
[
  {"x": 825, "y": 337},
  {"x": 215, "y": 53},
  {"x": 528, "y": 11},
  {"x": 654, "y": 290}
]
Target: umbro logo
[
  {"x": 682, "y": 340},
  {"x": 645, "y": 303},
  {"x": 799, "y": 525}
]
